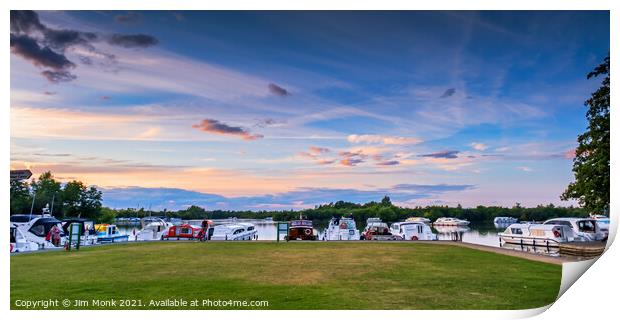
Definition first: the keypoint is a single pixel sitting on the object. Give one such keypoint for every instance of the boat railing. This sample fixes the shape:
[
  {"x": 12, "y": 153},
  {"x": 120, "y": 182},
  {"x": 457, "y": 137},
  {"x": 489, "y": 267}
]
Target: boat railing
[{"x": 542, "y": 242}]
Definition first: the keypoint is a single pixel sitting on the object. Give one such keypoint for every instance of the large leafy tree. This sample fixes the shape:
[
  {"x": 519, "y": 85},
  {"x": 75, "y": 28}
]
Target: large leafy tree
[
  {"x": 20, "y": 197},
  {"x": 47, "y": 192},
  {"x": 591, "y": 162}
]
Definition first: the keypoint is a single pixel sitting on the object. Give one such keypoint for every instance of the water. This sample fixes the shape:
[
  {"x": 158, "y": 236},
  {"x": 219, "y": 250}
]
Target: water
[{"x": 477, "y": 234}]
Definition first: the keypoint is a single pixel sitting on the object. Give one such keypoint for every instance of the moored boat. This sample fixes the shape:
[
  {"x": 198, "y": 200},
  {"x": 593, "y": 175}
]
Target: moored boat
[
  {"x": 234, "y": 232},
  {"x": 505, "y": 220},
  {"x": 378, "y": 230},
  {"x": 537, "y": 234},
  {"x": 450, "y": 222},
  {"x": 19, "y": 243},
  {"x": 342, "y": 229},
  {"x": 301, "y": 230},
  {"x": 586, "y": 229},
  {"x": 186, "y": 231},
  {"x": 413, "y": 230},
  {"x": 418, "y": 219},
  {"x": 109, "y": 233},
  {"x": 153, "y": 229},
  {"x": 44, "y": 230}
]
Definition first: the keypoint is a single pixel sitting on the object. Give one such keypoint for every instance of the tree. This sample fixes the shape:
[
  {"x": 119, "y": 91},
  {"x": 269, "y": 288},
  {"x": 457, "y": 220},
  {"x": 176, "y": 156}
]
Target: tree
[
  {"x": 20, "y": 197},
  {"x": 46, "y": 191},
  {"x": 386, "y": 202},
  {"x": 80, "y": 200},
  {"x": 591, "y": 162}
]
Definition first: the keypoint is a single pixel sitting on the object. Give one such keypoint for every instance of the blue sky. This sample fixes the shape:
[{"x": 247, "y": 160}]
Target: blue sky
[{"x": 255, "y": 110}]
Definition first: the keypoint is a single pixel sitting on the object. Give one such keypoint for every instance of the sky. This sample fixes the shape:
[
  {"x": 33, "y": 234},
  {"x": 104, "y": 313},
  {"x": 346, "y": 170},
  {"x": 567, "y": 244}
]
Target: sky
[{"x": 288, "y": 110}]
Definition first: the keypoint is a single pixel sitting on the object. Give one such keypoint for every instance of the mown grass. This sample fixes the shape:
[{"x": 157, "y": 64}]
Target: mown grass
[{"x": 365, "y": 275}]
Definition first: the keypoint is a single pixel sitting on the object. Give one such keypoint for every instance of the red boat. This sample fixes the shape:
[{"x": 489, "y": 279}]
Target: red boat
[{"x": 187, "y": 231}]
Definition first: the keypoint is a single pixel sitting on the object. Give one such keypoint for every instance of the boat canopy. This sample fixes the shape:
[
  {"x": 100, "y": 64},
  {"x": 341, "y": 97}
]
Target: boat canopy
[{"x": 42, "y": 226}]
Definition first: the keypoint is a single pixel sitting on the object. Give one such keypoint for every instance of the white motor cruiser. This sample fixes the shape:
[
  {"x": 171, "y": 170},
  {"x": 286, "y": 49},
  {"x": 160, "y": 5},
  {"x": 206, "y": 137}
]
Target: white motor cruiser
[
  {"x": 450, "y": 222},
  {"x": 410, "y": 230},
  {"x": 234, "y": 231},
  {"x": 537, "y": 234},
  {"x": 586, "y": 229},
  {"x": 44, "y": 230},
  {"x": 19, "y": 243},
  {"x": 153, "y": 229},
  {"x": 342, "y": 229}
]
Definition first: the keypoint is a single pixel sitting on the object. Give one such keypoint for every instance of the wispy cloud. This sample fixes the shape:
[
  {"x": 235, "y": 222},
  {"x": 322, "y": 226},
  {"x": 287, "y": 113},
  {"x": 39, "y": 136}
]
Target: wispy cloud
[
  {"x": 217, "y": 127},
  {"x": 449, "y": 154},
  {"x": 277, "y": 90},
  {"x": 448, "y": 93},
  {"x": 479, "y": 146},
  {"x": 392, "y": 140}
]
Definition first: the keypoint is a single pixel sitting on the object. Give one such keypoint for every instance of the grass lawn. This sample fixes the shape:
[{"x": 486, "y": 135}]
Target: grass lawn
[{"x": 364, "y": 275}]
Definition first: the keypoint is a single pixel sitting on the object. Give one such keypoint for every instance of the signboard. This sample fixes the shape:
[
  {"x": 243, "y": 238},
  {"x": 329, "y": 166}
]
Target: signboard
[
  {"x": 75, "y": 233},
  {"x": 282, "y": 228},
  {"x": 20, "y": 174}
]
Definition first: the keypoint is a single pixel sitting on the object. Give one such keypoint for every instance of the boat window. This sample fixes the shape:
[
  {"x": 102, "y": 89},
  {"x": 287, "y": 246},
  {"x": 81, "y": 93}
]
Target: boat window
[
  {"x": 38, "y": 230},
  {"x": 250, "y": 228},
  {"x": 586, "y": 226},
  {"x": 516, "y": 231},
  {"x": 13, "y": 235}
]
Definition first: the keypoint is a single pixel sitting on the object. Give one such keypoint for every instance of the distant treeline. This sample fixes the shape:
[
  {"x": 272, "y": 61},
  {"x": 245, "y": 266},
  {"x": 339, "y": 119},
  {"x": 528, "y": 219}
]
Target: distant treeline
[{"x": 384, "y": 210}]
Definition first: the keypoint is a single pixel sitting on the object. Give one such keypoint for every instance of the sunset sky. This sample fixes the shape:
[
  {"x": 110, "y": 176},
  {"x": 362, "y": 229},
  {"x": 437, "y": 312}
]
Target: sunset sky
[{"x": 280, "y": 110}]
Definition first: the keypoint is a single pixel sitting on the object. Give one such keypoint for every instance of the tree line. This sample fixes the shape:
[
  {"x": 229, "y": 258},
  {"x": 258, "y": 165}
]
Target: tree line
[
  {"x": 73, "y": 199},
  {"x": 384, "y": 209}
]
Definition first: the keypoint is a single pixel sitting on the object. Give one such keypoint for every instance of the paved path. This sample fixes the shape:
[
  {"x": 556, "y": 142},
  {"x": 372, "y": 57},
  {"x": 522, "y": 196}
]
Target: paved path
[{"x": 509, "y": 252}]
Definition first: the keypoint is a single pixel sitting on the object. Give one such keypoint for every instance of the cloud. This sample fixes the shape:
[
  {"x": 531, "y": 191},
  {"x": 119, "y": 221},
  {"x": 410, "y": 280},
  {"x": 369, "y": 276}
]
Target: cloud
[
  {"x": 277, "y": 90},
  {"x": 25, "y": 21},
  {"x": 58, "y": 76},
  {"x": 353, "y": 158},
  {"x": 132, "y": 40},
  {"x": 314, "y": 153},
  {"x": 217, "y": 127},
  {"x": 29, "y": 49},
  {"x": 45, "y": 47},
  {"x": 129, "y": 17},
  {"x": 525, "y": 169},
  {"x": 450, "y": 154},
  {"x": 269, "y": 122},
  {"x": 318, "y": 150},
  {"x": 479, "y": 146},
  {"x": 448, "y": 93},
  {"x": 392, "y": 140},
  {"x": 62, "y": 39},
  {"x": 388, "y": 163}
]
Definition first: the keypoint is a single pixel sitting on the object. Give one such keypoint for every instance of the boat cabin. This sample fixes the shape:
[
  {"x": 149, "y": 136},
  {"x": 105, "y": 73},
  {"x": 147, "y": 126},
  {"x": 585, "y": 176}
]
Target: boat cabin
[
  {"x": 234, "y": 232},
  {"x": 537, "y": 234},
  {"x": 183, "y": 231},
  {"x": 585, "y": 228},
  {"x": 301, "y": 230},
  {"x": 409, "y": 230}
]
